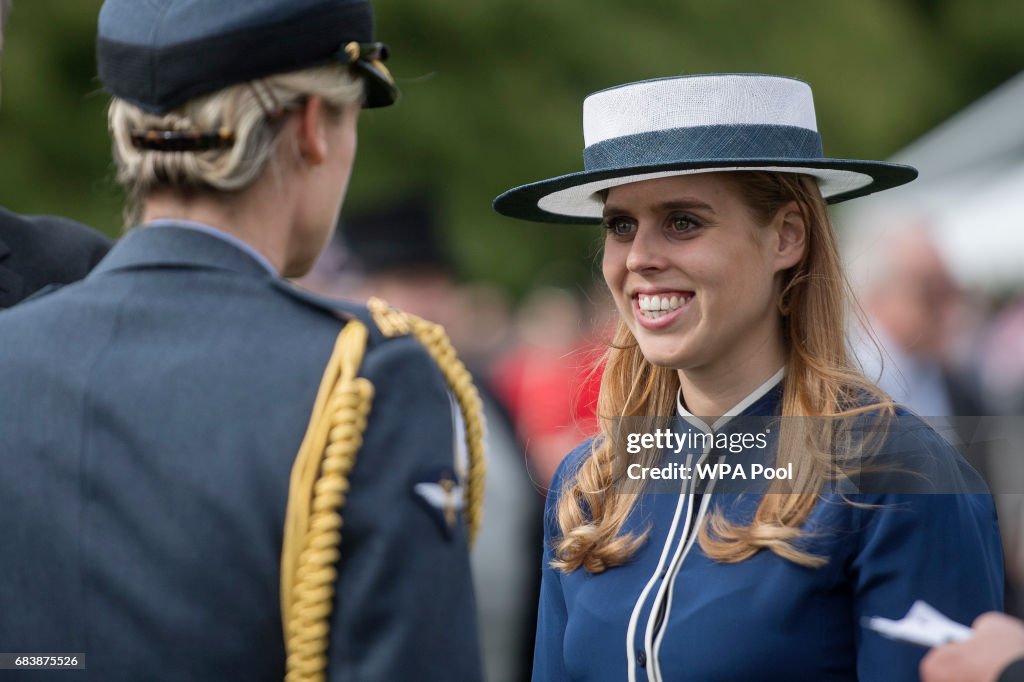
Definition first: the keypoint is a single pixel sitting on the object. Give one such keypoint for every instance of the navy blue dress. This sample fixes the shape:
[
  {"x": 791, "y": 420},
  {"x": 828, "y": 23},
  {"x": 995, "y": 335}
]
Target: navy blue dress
[{"x": 672, "y": 613}]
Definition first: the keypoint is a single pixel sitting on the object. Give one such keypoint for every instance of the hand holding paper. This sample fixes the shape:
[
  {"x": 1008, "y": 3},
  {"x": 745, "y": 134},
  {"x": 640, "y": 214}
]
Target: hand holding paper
[{"x": 995, "y": 651}]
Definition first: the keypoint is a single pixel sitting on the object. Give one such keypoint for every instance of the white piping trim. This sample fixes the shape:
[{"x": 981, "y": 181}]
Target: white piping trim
[
  {"x": 671, "y": 578},
  {"x": 685, "y": 542},
  {"x": 654, "y": 671},
  {"x": 638, "y": 606},
  {"x": 652, "y": 617}
]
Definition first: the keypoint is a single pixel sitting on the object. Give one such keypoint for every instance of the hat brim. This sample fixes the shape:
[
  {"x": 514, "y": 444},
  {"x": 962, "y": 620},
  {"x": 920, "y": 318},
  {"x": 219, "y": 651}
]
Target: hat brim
[
  {"x": 381, "y": 90},
  {"x": 574, "y": 198}
]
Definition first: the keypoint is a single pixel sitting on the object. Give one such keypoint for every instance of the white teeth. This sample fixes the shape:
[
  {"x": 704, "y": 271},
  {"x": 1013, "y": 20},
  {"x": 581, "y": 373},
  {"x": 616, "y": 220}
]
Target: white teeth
[{"x": 656, "y": 306}]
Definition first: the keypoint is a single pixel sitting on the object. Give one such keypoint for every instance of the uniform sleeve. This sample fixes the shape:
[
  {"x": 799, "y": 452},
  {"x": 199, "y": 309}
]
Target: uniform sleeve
[
  {"x": 404, "y": 605},
  {"x": 940, "y": 548},
  {"x": 548, "y": 652},
  {"x": 71, "y": 249}
]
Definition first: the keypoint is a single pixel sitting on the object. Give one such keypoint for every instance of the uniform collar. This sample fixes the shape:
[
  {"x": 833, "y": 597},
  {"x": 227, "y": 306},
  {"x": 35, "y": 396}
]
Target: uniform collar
[
  {"x": 177, "y": 245},
  {"x": 762, "y": 401},
  {"x": 215, "y": 232}
]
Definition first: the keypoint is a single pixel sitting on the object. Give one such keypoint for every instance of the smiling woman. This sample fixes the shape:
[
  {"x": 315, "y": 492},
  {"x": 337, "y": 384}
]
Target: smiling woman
[{"x": 723, "y": 265}]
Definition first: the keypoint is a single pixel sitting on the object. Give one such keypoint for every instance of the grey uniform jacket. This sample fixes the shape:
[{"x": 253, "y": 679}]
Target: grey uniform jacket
[{"x": 149, "y": 419}]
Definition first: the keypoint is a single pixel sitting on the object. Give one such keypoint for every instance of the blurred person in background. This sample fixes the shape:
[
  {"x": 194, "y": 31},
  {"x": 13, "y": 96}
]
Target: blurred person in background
[
  {"x": 39, "y": 250},
  {"x": 914, "y": 305},
  {"x": 210, "y": 474},
  {"x": 1002, "y": 369},
  {"x": 732, "y": 304},
  {"x": 929, "y": 359},
  {"x": 395, "y": 251},
  {"x": 1002, "y": 362},
  {"x": 549, "y": 378}
]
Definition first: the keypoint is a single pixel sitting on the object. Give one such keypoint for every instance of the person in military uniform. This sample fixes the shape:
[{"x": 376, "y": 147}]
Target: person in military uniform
[
  {"x": 208, "y": 473},
  {"x": 39, "y": 250}
]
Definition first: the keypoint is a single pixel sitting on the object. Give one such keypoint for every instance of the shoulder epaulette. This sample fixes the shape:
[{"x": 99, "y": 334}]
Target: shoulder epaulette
[
  {"x": 319, "y": 479},
  {"x": 393, "y": 322}
]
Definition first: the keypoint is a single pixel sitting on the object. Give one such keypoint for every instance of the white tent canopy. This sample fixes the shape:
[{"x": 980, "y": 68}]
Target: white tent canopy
[{"x": 970, "y": 192}]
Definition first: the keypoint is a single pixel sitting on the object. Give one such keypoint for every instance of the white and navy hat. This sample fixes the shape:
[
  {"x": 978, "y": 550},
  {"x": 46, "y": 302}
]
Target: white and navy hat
[
  {"x": 158, "y": 54},
  {"x": 696, "y": 124}
]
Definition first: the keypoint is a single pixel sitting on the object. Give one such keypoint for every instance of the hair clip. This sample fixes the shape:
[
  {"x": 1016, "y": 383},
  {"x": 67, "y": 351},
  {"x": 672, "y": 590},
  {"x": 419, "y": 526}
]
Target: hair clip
[{"x": 182, "y": 140}]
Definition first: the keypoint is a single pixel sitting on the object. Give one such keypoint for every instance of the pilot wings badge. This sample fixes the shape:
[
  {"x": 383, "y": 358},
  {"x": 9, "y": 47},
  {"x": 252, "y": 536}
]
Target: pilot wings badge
[{"x": 443, "y": 497}]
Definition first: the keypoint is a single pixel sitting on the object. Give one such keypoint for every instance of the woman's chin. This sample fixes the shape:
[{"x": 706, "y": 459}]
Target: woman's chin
[{"x": 670, "y": 356}]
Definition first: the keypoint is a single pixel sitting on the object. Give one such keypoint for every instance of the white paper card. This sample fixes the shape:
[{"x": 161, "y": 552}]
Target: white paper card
[{"x": 923, "y": 625}]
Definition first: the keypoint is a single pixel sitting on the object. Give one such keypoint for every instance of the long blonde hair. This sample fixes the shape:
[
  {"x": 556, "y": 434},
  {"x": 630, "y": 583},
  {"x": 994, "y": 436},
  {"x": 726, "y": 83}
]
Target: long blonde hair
[
  {"x": 822, "y": 380},
  {"x": 241, "y": 108}
]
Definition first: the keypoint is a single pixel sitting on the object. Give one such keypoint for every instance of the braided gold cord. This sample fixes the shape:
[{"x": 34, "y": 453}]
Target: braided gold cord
[
  {"x": 393, "y": 323},
  {"x": 317, "y": 494}
]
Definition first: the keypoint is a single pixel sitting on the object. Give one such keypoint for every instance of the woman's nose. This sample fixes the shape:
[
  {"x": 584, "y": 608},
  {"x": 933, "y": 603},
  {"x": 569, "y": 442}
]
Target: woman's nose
[{"x": 646, "y": 251}]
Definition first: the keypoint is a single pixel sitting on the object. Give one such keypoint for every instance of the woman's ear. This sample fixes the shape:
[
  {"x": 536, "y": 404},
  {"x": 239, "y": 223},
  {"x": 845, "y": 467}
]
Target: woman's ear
[
  {"x": 791, "y": 236},
  {"x": 312, "y": 131}
]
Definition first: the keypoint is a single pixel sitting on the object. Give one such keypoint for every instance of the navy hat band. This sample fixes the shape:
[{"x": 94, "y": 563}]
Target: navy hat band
[
  {"x": 700, "y": 143},
  {"x": 158, "y": 79}
]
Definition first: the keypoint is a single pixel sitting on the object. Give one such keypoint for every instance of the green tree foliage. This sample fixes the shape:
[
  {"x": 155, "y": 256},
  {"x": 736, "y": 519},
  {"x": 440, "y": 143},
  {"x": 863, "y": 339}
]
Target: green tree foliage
[{"x": 493, "y": 92}]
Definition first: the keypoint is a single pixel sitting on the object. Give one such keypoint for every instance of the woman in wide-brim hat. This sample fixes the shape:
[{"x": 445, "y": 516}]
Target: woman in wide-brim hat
[{"x": 722, "y": 262}]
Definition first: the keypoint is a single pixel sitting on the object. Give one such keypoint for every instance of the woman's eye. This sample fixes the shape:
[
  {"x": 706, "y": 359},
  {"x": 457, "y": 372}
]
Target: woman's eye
[
  {"x": 619, "y": 227},
  {"x": 683, "y": 223}
]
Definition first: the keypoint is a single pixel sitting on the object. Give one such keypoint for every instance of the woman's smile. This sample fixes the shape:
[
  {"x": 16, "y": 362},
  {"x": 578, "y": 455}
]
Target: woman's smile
[{"x": 658, "y": 308}]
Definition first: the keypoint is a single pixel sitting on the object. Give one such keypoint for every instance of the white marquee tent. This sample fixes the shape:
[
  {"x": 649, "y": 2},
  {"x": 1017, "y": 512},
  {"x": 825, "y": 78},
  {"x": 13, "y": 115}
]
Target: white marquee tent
[{"x": 970, "y": 192}]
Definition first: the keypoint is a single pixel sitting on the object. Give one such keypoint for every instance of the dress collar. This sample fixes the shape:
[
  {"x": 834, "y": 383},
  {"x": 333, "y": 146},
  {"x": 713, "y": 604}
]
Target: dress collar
[{"x": 748, "y": 404}]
